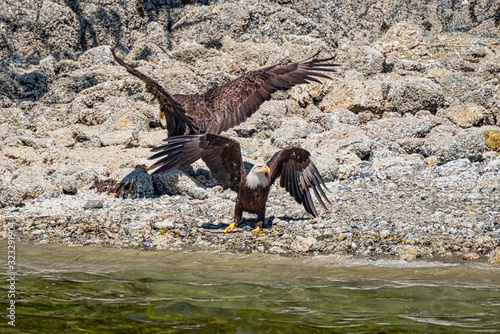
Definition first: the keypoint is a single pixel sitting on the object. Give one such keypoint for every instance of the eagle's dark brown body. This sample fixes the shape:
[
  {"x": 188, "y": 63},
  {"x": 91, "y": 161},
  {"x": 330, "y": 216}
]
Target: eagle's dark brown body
[
  {"x": 222, "y": 155},
  {"x": 252, "y": 201},
  {"x": 226, "y": 106}
]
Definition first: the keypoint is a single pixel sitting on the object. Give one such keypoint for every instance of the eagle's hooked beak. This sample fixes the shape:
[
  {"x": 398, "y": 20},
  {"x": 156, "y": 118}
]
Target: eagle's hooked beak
[{"x": 265, "y": 170}]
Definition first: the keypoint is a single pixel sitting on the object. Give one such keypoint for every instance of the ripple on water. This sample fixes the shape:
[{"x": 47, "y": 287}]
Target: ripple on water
[{"x": 105, "y": 290}]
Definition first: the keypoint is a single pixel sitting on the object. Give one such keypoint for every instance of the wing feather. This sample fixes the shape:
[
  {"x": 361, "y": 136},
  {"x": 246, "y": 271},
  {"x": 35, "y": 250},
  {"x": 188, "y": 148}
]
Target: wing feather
[
  {"x": 298, "y": 175},
  {"x": 178, "y": 121},
  {"x": 221, "y": 154},
  {"x": 249, "y": 91}
]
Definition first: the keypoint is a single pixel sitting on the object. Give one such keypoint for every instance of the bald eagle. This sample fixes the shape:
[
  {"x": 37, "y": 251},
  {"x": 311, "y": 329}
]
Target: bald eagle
[
  {"x": 226, "y": 106},
  {"x": 222, "y": 155}
]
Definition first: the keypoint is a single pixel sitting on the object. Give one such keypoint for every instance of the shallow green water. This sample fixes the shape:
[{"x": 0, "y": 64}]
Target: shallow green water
[{"x": 93, "y": 290}]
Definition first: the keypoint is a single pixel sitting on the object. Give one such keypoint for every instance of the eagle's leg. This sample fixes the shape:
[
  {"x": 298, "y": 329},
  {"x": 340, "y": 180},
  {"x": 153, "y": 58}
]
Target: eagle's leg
[
  {"x": 261, "y": 216},
  {"x": 237, "y": 218}
]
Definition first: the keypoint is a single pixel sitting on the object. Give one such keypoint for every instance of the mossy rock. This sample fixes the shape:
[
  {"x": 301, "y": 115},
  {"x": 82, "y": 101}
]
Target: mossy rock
[{"x": 492, "y": 140}]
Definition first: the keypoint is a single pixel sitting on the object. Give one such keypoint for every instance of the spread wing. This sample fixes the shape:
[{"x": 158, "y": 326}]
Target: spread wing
[
  {"x": 233, "y": 102},
  {"x": 299, "y": 175},
  {"x": 221, "y": 154},
  {"x": 178, "y": 121}
]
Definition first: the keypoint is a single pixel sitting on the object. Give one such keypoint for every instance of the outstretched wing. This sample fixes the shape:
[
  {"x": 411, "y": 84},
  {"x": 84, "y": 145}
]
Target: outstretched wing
[
  {"x": 233, "y": 102},
  {"x": 178, "y": 121},
  {"x": 298, "y": 175},
  {"x": 221, "y": 154}
]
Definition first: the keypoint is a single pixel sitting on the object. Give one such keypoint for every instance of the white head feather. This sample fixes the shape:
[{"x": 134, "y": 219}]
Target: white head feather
[{"x": 257, "y": 177}]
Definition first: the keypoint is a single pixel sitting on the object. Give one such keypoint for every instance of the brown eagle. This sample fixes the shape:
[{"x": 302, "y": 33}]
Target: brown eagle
[
  {"x": 223, "y": 157},
  {"x": 226, "y": 106}
]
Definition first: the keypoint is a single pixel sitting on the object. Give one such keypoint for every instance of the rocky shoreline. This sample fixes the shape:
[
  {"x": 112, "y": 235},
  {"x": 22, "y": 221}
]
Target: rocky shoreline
[
  {"x": 407, "y": 135},
  {"x": 451, "y": 211}
]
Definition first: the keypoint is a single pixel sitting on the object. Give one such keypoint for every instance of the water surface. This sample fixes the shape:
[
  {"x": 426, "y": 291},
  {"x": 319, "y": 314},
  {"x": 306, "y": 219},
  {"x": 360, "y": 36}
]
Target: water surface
[{"x": 96, "y": 290}]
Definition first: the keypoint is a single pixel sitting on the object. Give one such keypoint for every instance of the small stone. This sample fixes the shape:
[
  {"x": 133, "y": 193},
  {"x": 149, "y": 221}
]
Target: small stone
[
  {"x": 167, "y": 223},
  {"x": 471, "y": 256},
  {"x": 432, "y": 160},
  {"x": 495, "y": 256},
  {"x": 116, "y": 138},
  {"x": 94, "y": 204}
]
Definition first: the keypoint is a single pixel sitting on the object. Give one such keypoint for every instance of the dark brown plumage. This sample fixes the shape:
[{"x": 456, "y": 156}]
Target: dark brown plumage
[
  {"x": 226, "y": 106},
  {"x": 223, "y": 157}
]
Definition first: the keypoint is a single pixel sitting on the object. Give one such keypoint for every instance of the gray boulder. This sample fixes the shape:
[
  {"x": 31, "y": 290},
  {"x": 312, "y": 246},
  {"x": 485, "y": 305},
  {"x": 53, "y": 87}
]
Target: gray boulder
[
  {"x": 412, "y": 94},
  {"x": 396, "y": 128},
  {"x": 466, "y": 144}
]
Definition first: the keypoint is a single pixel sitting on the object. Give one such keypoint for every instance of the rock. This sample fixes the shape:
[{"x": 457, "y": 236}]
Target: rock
[
  {"x": 100, "y": 55},
  {"x": 151, "y": 139},
  {"x": 401, "y": 37},
  {"x": 289, "y": 133},
  {"x": 492, "y": 166},
  {"x": 63, "y": 137},
  {"x": 94, "y": 204},
  {"x": 326, "y": 165},
  {"x": 23, "y": 184},
  {"x": 47, "y": 64},
  {"x": 344, "y": 138},
  {"x": 482, "y": 95},
  {"x": 178, "y": 183},
  {"x": 397, "y": 166},
  {"x": 116, "y": 138},
  {"x": 138, "y": 183},
  {"x": 304, "y": 244},
  {"x": 89, "y": 116},
  {"x": 128, "y": 121},
  {"x": 331, "y": 119},
  {"x": 356, "y": 96},
  {"x": 412, "y": 94},
  {"x": 190, "y": 52},
  {"x": 73, "y": 178},
  {"x": 467, "y": 115},
  {"x": 453, "y": 167},
  {"x": 410, "y": 253},
  {"x": 432, "y": 160},
  {"x": 9, "y": 195},
  {"x": 494, "y": 106},
  {"x": 411, "y": 145},
  {"x": 395, "y": 128},
  {"x": 466, "y": 180},
  {"x": 455, "y": 84},
  {"x": 167, "y": 223},
  {"x": 360, "y": 170},
  {"x": 467, "y": 144},
  {"x": 70, "y": 116},
  {"x": 494, "y": 256},
  {"x": 471, "y": 256},
  {"x": 364, "y": 60},
  {"x": 203, "y": 176}
]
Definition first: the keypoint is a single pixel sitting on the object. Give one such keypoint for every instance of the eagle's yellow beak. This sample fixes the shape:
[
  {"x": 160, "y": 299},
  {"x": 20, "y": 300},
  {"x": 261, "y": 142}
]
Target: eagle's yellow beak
[
  {"x": 161, "y": 114},
  {"x": 265, "y": 170}
]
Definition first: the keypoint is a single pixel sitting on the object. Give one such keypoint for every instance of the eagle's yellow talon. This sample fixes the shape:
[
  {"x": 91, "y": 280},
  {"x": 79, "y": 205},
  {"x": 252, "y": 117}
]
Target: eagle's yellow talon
[
  {"x": 256, "y": 230},
  {"x": 230, "y": 228}
]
